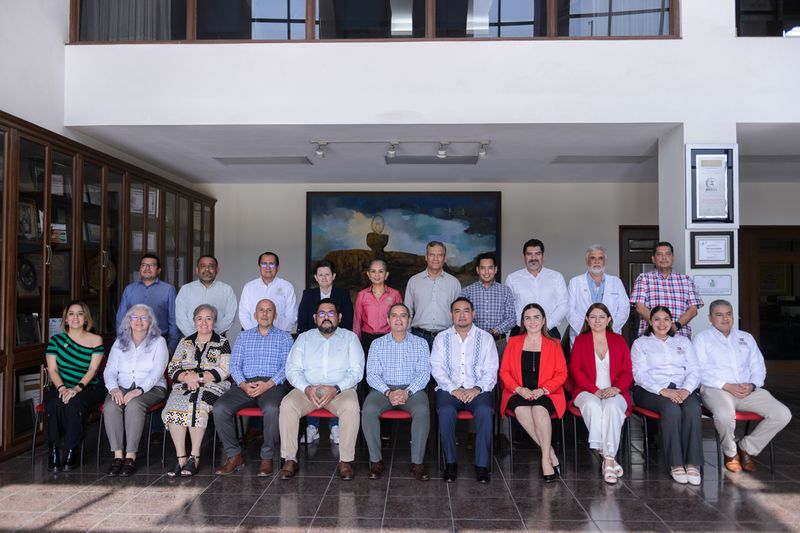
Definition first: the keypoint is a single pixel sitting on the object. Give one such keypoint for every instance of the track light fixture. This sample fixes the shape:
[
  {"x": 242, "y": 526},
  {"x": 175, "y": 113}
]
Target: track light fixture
[
  {"x": 320, "y": 151},
  {"x": 441, "y": 153},
  {"x": 392, "y": 151},
  {"x": 482, "y": 149},
  {"x": 412, "y": 155}
]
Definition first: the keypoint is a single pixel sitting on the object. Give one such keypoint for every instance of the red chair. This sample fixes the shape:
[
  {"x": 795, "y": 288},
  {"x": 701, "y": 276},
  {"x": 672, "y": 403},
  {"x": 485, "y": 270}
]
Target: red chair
[
  {"x": 150, "y": 412},
  {"x": 747, "y": 417},
  {"x": 39, "y": 410},
  {"x": 317, "y": 413},
  {"x": 646, "y": 415},
  {"x": 509, "y": 413},
  {"x": 240, "y": 415},
  {"x": 462, "y": 415}
]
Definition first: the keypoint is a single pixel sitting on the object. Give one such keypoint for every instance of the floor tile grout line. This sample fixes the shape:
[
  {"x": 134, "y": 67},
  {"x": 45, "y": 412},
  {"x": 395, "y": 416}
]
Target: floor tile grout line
[
  {"x": 508, "y": 489},
  {"x": 319, "y": 505},
  {"x": 261, "y": 495},
  {"x": 389, "y": 475}
]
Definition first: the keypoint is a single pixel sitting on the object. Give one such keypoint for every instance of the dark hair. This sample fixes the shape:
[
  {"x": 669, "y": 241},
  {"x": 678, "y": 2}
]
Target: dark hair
[
  {"x": 216, "y": 263},
  {"x": 273, "y": 254},
  {"x": 381, "y": 261},
  {"x": 328, "y": 301},
  {"x": 532, "y": 243},
  {"x": 325, "y": 264},
  {"x": 435, "y": 243},
  {"x": 152, "y": 256},
  {"x": 656, "y": 309},
  {"x": 485, "y": 255},
  {"x": 87, "y": 314},
  {"x": 462, "y": 299},
  {"x": 523, "y": 331},
  {"x": 601, "y": 306},
  {"x": 398, "y": 304},
  {"x": 659, "y": 244}
]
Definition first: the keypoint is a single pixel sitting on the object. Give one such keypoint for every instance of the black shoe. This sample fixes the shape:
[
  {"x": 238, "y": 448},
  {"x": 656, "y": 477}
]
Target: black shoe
[
  {"x": 128, "y": 467},
  {"x": 176, "y": 470},
  {"x": 54, "y": 459},
  {"x": 116, "y": 467},
  {"x": 72, "y": 460},
  {"x": 482, "y": 474},
  {"x": 191, "y": 466},
  {"x": 557, "y": 469},
  {"x": 552, "y": 478},
  {"x": 450, "y": 472}
]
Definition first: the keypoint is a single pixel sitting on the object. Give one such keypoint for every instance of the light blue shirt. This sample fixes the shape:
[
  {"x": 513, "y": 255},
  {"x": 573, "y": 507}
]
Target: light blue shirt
[
  {"x": 317, "y": 360},
  {"x": 390, "y": 362}
]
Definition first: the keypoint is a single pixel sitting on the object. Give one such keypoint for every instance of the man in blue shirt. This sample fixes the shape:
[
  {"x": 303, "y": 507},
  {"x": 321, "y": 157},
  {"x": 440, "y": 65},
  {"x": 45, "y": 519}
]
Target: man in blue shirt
[
  {"x": 258, "y": 365},
  {"x": 158, "y": 295},
  {"x": 398, "y": 369}
]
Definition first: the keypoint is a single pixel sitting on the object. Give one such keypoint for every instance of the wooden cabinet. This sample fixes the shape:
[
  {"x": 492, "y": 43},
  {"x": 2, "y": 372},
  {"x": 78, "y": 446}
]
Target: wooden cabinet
[{"x": 75, "y": 224}]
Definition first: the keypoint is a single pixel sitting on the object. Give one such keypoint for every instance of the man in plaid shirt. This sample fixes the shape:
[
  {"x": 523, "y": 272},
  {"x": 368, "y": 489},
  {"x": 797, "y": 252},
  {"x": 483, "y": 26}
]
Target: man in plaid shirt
[
  {"x": 664, "y": 287},
  {"x": 398, "y": 369},
  {"x": 493, "y": 301}
]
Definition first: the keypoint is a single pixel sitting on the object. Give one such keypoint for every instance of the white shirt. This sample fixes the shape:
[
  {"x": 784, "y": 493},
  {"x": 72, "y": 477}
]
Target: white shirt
[
  {"x": 143, "y": 365},
  {"x": 732, "y": 359},
  {"x": 464, "y": 363},
  {"x": 580, "y": 298},
  {"x": 219, "y": 294},
  {"x": 317, "y": 360},
  {"x": 548, "y": 289},
  {"x": 658, "y": 363},
  {"x": 603, "y": 369},
  {"x": 280, "y": 292}
]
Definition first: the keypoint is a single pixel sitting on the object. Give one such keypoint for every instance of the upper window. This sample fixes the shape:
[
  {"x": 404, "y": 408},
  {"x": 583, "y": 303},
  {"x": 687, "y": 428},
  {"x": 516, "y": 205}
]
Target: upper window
[
  {"x": 768, "y": 18},
  {"x": 613, "y": 18}
]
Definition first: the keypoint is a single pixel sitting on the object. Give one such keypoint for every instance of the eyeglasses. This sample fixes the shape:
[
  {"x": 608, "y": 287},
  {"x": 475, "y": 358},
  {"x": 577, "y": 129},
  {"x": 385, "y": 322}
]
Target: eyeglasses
[
  {"x": 148, "y": 266},
  {"x": 329, "y": 314},
  {"x": 268, "y": 265},
  {"x": 143, "y": 318}
]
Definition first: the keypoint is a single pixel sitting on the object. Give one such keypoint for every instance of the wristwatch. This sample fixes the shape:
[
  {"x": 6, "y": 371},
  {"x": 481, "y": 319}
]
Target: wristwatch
[
  {"x": 338, "y": 389},
  {"x": 678, "y": 325},
  {"x": 201, "y": 379}
]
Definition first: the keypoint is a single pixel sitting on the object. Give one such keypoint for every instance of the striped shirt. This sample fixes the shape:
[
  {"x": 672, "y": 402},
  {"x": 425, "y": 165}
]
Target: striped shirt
[
  {"x": 257, "y": 355},
  {"x": 676, "y": 292},
  {"x": 72, "y": 359},
  {"x": 494, "y": 307},
  {"x": 399, "y": 363}
]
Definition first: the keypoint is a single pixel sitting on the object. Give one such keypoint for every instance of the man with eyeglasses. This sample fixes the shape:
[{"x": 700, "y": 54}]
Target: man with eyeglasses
[
  {"x": 732, "y": 379},
  {"x": 158, "y": 295},
  {"x": 205, "y": 290},
  {"x": 324, "y": 365},
  {"x": 269, "y": 286}
]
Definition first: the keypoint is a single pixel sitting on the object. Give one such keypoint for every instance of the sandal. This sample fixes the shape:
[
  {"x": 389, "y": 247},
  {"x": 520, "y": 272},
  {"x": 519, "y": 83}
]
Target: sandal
[
  {"x": 609, "y": 475},
  {"x": 618, "y": 471},
  {"x": 191, "y": 466},
  {"x": 176, "y": 470}
]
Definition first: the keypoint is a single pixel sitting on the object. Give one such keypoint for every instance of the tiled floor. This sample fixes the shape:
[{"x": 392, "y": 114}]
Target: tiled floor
[{"x": 317, "y": 500}]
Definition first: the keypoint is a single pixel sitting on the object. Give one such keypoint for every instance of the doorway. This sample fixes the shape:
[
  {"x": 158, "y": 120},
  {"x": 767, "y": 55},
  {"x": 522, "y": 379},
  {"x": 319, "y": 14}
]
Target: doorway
[
  {"x": 635, "y": 252},
  {"x": 769, "y": 285}
]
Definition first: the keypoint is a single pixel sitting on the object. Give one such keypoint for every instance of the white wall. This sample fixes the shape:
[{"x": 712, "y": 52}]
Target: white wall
[
  {"x": 770, "y": 204},
  {"x": 566, "y": 217}
]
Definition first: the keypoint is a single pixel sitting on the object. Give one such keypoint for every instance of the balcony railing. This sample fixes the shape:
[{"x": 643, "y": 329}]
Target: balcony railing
[{"x": 311, "y": 20}]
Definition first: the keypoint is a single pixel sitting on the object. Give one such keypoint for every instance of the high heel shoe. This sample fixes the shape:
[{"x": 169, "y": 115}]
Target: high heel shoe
[
  {"x": 176, "y": 470},
  {"x": 557, "y": 469},
  {"x": 54, "y": 459},
  {"x": 72, "y": 461},
  {"x": 550, "y": 478},
  {"x": 191, "y": 466}
]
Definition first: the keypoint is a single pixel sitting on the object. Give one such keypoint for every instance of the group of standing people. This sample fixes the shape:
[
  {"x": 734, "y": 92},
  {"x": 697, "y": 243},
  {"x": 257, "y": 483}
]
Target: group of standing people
[{"x": 465, "y": 339}]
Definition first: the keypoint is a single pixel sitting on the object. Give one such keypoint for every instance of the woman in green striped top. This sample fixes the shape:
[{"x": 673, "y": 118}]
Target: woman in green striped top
[{"x": 73, "y": 358}]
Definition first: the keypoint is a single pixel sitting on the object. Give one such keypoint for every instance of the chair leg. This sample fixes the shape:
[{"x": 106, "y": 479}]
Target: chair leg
[
  {"x": 164, "y": 446},
  {"x": 771, "y": 457},
  {"x": 149, "y": 435},
  {"x": 646, "y": 446},
  {"x": 511, "y": 447},
  {"x": 563, "y": 443},
  {"x": 575, "y": 441},
  {"x": 719, "y": 454},
  {"x": 99, "y": 436},
  {"x": 33, "y": 440}
]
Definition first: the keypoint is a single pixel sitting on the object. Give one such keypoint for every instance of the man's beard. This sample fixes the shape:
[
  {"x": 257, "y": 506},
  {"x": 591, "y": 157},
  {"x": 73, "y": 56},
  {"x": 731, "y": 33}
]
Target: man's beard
[
  {"x": 327, "y": 330},
  {"x": 597, "y": 270}
]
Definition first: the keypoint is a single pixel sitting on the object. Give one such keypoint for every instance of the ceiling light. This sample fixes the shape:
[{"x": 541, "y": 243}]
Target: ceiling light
[
  {"x": 320, "y": 151},
  {"x": 482, "y": 149},
  {"x": 392, "y": 151},
  {"x": 441, "y": 153}
]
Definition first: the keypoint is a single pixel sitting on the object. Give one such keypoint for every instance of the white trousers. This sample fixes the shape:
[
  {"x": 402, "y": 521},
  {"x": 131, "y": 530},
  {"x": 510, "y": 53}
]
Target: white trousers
[{"x": 604, "y": 418}]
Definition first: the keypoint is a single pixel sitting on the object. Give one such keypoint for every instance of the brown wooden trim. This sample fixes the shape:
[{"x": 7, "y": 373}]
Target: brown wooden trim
[
  {"x": 552, "y": 19},
  {"x": 191, "y": 20},
  {"x": 75, "y": 21},
  {"x": 311, "y": 17},
  {"x": 430, "y": 19},
  {"x": 675, "y": 19}
]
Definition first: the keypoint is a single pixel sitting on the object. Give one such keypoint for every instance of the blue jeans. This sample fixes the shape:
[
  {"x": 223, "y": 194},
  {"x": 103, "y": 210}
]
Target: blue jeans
[{"x": 447, "y": 406}]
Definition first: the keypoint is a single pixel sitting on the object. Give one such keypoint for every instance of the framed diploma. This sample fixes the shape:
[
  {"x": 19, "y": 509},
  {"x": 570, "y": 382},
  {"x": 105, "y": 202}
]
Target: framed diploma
[
  {"x": 711, "y": 249},
  {"x": 711, "y": 186}
]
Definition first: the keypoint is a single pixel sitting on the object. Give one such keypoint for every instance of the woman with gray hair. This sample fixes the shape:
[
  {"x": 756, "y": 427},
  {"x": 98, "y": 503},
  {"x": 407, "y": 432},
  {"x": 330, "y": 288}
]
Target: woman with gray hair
[
  {"x": 134, "y": 377},
  {"x": 199, "y": 371}
]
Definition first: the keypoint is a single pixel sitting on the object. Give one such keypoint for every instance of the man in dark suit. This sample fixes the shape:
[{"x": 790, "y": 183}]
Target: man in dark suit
[{"x": 324, "y": 274}]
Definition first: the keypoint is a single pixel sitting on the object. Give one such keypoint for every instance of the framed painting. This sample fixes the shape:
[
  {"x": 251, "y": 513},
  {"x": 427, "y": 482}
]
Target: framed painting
[{"x": 350, "y": 229}]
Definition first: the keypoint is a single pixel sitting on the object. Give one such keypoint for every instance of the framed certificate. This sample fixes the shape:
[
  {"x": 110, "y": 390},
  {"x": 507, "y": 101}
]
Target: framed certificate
[
  {"x": 711, "y": 249},
  {"x": 711, "y": 186}
]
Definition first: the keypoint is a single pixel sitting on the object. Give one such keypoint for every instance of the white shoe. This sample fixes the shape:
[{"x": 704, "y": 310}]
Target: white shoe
[
  {"x": 618, "y": 471},
  {"x": 693, "y": 476},
  {"x": 334, "y": 435},
  {"x": 312, "y": 434},
  {"x": 679, "y": 474}
]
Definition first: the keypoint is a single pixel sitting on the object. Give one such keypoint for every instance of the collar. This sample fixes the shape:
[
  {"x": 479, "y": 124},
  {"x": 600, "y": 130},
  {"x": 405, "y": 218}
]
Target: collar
[{"x": 156, "y": 282}]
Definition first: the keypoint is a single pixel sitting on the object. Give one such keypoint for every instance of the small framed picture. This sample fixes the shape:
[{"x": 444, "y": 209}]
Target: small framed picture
[
  {"x": 711, "y": 249},
  {"x": 28, "y": 221}
]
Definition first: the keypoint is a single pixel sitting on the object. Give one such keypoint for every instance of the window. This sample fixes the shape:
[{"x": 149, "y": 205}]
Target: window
[{"x": 768, "y": 18}]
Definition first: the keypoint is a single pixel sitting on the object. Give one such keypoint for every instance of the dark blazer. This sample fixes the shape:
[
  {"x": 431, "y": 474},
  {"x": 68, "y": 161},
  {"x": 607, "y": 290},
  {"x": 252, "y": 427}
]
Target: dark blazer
[
  {"x": 583, "y": 369},
  {"x": 552, "y": 371},
  {"x": 308, "y": 306}
]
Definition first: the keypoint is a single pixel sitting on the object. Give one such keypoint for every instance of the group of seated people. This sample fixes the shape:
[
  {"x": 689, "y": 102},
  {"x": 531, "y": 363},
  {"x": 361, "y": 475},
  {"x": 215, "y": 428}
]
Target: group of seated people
[{"x": 323, "y": 367}]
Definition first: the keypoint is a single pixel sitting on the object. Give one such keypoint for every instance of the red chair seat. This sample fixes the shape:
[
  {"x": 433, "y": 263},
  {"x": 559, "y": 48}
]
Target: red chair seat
[
  {"x": 321, "y": 413},
  {"x": 249, "y": 411},
  {"x": 395, "y": 414},
  {"x": 646, "y": 412},
  {"x": 747, "y": 416},
  {"x": 465, "y": 415},
  {"x": 40, "y": 408}
]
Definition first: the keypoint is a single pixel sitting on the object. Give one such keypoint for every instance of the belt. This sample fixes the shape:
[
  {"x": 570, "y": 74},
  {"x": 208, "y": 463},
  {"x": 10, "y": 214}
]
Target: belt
[
  {"x": 427, "y": 331},
  {"x": 499, "y": 336}
]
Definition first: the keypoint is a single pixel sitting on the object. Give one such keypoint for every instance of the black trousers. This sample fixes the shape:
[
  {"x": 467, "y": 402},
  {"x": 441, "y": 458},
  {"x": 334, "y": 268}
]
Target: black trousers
[
  {"x": 67, "y": 419},
  {"x": 681, "y": 426}
]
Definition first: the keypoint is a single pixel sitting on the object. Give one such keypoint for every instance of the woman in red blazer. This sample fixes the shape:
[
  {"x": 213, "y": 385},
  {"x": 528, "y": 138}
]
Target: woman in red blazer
[
  {"x": 600, "y": 365},
  {"x": 533, "y": 373}
]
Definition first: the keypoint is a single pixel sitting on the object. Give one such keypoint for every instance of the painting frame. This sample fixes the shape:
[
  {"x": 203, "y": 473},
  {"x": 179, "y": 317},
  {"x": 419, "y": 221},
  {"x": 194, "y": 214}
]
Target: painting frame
[{"x": 468, "y": 222}]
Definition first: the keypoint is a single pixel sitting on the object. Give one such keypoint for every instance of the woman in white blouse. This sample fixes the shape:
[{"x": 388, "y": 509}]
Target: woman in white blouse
[
  {"x": 667, "y": 375},
  {"x": 134, "y": 377}
]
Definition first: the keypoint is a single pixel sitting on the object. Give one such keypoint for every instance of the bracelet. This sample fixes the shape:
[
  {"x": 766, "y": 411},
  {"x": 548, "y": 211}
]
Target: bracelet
[{"x": 59, "y": 387}]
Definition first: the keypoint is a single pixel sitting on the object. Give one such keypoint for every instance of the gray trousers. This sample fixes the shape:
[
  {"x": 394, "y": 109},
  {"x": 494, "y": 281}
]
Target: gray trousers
[
  {"x": 125, "y": 423},
  {"x": 681, "y": 426},
  {"x": 377, "y": 403},
  {"x": 724, "y": 406},
  {"x": 225, "y": 413}
]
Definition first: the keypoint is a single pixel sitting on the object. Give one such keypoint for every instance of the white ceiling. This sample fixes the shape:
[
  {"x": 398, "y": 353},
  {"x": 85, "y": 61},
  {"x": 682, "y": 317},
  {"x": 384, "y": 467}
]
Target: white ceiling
[{"x": 518, "y": 152}]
